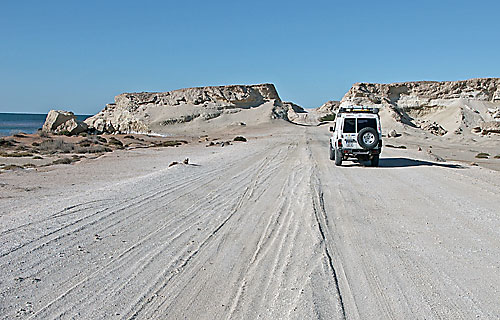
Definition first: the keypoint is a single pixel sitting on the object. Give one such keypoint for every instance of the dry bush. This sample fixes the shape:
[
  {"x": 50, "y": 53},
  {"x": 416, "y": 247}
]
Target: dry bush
[
  {"x": 62, "y": 161},
  {"x": 55, "y": 146},
  {"x": 16, "y": 154},
  {"x": 7, "y": 143},
  {"x": 43, "y": 134},
  {"x": 240, "y": 138},
  {"x": 92, "y": 149},
  {"x": 11, "y": 167},
  {"x": 168, "y": 143},
  {"x": 482, "y": 155},
  {"x": 114, "y": 141}
]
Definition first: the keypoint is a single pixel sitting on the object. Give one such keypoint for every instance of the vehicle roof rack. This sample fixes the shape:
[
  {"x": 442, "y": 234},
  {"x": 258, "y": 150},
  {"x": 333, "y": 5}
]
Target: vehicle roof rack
[{"x": 361, "y": 109}]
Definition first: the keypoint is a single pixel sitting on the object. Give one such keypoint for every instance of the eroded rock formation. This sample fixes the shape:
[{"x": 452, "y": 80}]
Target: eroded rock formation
[
  {"x": 471, "y": 102},
  {"x": 139, "y": 112}
]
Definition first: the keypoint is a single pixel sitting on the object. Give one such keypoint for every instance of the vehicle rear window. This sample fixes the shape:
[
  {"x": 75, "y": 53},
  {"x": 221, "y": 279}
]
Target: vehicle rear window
[
  {"x": 350, "y": 125},
  {"x": 363, "y": 123}
]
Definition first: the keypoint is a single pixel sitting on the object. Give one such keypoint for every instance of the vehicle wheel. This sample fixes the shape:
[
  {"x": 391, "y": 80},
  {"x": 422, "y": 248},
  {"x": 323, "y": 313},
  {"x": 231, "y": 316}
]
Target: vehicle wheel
[
  {"x": 368, "y": 138},
  {"x": 332, "y": 152},
  {"x": 338, "y": 157},
  {"x": 375, "y": 160}
]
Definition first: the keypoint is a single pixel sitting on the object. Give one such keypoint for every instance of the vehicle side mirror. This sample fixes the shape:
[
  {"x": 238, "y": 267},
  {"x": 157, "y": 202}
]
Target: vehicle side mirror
[{"x": 331, "y": 129}]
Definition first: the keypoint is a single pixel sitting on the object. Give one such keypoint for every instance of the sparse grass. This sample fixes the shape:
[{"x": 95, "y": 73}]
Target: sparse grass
[
  {"x": 172, "y": 143},
  {"x": 11, "y": 167},
  {"x": 240, "y": 138},
  {"x": 482, "y": 155},
  {"x": 62, "y": 161},
  {"x": 328, "y": 117},
  {"x": 92, "y": 149},
  {"x": 16, "y": 154}
]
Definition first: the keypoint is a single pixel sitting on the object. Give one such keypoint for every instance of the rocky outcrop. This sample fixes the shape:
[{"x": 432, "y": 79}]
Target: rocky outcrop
[
  {"x": 419, "y": 94},
  {"x": 138, "y": 112},
  {"x": 331, "y": 106},
  {"x": 414, "y": 103},
  {"x": 59, "y": 121}
]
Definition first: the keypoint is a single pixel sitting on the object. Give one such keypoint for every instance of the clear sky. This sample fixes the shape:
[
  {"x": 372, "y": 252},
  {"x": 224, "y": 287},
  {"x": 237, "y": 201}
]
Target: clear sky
[{"x": 77, "y": 55}]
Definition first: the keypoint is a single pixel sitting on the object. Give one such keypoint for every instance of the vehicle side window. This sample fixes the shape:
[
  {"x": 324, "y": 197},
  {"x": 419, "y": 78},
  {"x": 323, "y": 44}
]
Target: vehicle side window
[
  {"x": 363, "y": 123},
  {"x": 349, "y": 125}
]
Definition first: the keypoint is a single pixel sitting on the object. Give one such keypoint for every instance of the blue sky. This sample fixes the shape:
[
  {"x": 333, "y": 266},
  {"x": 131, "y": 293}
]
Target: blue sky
[{"x": 78, "y": 55}]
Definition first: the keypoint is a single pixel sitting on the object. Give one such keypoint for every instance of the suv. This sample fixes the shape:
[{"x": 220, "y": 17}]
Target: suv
[{"x": 356, "y": 134}]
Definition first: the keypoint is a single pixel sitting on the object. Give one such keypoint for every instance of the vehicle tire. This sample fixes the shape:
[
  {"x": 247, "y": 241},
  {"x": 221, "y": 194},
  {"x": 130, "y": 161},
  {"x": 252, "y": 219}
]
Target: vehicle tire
[
  {"x": 332, "y": 152},
  {"x": 338, "y": 157},
  {"x": 375, "y": 160},
  {"x": 368, "y": 138}
]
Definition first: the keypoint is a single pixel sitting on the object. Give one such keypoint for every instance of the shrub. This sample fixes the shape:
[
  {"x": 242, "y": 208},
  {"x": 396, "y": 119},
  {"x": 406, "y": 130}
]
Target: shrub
[
  {"x": 328, "y": 117},
  {"x": 240, "y": 138},
  {"x": 114, "y": 141},
  {"x": 172, "y": 143},
  {"x": 53, "y": 146},
  {"x": 43, "y": 134},
  {"x": 497, "y": 156},
  {"x": 35, "y": 144},
  {"x": 101, "y": 139},
  {"x": 11, "y": 167},
  {"x": 20, "y": 135},
  {"x": 129, "y": 137},
  {"x": 62, "y": 161},
  {"x": 16, "y": 154},
  {"x": 7, "y": 143},
  {"x": 93, "y": 149},
  {"x": 482, "y": 155}
]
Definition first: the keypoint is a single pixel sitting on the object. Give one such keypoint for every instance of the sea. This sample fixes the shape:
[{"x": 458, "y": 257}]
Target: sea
[{"x": 12, "y": 123}]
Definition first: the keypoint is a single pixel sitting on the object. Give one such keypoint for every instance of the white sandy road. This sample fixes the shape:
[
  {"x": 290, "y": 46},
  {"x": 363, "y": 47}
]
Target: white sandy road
[{"x": 267, "y": 229}]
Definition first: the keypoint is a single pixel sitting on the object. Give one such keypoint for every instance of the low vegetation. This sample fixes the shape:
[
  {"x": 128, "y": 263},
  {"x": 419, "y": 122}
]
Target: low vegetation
[
  {"x": 328, "y": 117},
  {"x": 240, "y": 138},
  {"x": 482, "y": 155},
  {"x": 62, "y": 161},
  {"x": 16, "y": 154},
  {"x": 7, "y": 143}
]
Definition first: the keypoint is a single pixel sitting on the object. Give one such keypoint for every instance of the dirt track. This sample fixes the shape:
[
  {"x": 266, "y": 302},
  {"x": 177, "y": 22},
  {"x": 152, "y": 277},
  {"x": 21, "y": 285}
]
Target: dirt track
[{"x": 268, "y": 229}]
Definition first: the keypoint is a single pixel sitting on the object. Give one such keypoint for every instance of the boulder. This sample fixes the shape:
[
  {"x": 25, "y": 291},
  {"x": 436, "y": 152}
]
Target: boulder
[
  {"x": 393, "y": 133},
  {"x": 55, "y": 118},
  {"x": 59, "y": 121}
]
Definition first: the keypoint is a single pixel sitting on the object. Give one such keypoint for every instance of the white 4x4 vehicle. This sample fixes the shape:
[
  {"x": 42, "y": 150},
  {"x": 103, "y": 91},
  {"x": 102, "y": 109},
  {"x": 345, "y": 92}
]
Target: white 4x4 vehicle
[{"x": 356, "y": 134}]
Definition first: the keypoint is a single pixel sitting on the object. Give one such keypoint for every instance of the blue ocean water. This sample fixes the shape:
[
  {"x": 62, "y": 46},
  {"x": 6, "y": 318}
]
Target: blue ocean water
[{"x": 12, "y": 123}]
